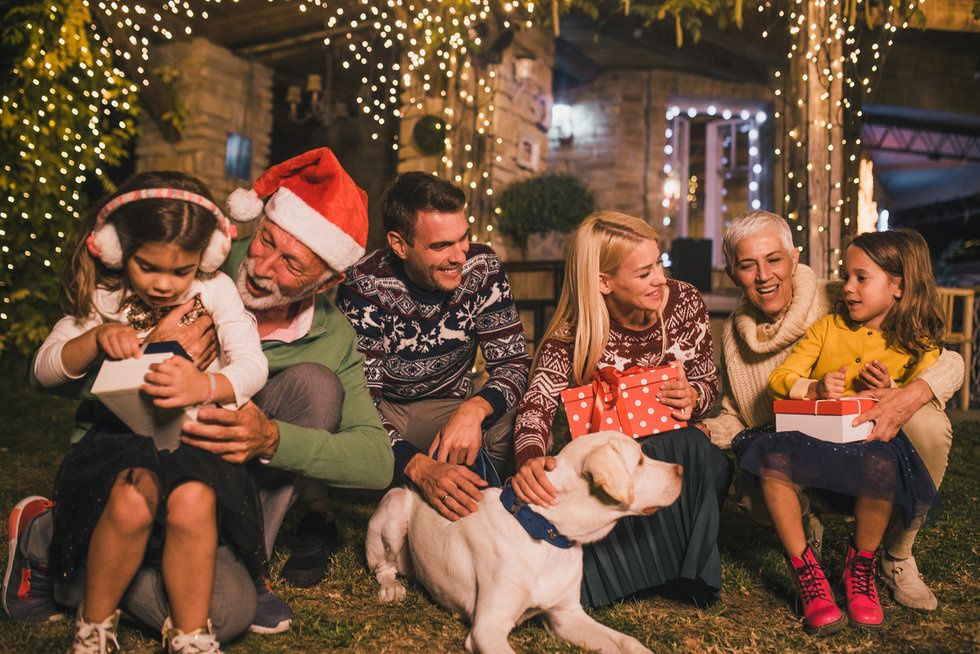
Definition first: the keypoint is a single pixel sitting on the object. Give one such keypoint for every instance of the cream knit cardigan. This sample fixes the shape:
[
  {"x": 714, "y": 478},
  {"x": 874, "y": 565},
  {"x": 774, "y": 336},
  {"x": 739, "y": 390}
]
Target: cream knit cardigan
[{"x": 752, "y": 348}]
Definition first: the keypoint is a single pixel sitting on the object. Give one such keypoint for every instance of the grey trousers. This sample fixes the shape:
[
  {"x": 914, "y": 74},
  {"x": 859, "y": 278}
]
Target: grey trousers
[
  {"x": 418, "y": 422},
  {"x": 306, "y": 395}
]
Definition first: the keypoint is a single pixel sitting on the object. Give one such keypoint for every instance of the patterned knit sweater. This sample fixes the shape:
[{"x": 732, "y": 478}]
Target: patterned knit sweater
[
  {"x": 751, "y": 348},
  {"x": 688, "y": 341},
  {"x": 420, "y": 344}
]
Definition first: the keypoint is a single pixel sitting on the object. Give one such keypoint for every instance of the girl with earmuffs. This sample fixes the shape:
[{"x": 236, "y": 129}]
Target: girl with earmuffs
[{"x": 154, "y": 245}]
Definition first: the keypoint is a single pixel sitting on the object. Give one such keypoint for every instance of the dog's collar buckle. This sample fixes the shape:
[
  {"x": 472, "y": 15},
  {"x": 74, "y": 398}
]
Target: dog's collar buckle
[{"x": 537, "y": 526}]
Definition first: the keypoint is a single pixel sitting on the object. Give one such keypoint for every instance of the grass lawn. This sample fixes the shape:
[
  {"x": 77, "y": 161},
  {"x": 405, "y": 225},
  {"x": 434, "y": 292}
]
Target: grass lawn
[{"x": 755, "y": 613}]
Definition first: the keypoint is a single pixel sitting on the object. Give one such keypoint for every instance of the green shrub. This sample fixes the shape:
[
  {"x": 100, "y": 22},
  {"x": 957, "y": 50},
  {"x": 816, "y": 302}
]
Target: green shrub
[{"x": 543, "y": 204}]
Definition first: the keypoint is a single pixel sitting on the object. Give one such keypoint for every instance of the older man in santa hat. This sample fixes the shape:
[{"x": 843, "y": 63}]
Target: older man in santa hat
[{"x": 313, "y": 420}]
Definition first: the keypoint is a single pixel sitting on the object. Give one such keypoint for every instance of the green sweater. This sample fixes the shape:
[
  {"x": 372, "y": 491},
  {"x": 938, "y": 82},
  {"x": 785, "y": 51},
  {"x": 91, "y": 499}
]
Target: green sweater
[{"x": 357, "y": 455}]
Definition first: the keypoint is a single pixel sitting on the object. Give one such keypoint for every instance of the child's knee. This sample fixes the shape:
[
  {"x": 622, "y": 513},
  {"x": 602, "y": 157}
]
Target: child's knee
[
  {"x": 190, "y": 506},
  {"x": 133, "y": 500}
]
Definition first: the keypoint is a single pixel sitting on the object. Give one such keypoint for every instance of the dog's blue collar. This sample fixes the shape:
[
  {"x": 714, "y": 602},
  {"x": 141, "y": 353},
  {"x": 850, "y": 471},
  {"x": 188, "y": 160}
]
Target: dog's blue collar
[{"x": 538, "y": 527}]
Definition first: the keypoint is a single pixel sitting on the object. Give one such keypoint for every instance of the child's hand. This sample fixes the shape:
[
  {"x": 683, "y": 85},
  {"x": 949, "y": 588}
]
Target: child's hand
[
  {"x": 176, "y": 382},
  {"x": 118, "y": 341},
  {"x": 831, "y": 386},
  {"x": 875, "y": 375}
]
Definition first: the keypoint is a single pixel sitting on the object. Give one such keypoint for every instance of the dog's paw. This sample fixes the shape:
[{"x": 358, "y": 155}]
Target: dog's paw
[{"x": 392, "y": 591}]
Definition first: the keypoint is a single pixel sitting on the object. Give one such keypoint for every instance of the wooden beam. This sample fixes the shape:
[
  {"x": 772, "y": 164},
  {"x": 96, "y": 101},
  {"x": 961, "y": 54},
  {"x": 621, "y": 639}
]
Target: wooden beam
[
  {"x": 721, "y": 60},
  {"x": 154, "y": 98},
  {"x": 571, "y": 61},
  {"x": 302, "y": 39}
]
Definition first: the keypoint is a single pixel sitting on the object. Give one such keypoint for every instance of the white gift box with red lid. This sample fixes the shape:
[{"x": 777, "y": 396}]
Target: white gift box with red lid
[
  {"x": 826, "y": 420},
  {"x": 627, "y": 403}
]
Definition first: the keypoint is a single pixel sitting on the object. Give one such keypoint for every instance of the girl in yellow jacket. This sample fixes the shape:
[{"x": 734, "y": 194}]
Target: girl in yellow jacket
[{"x": 885, "y": 331}]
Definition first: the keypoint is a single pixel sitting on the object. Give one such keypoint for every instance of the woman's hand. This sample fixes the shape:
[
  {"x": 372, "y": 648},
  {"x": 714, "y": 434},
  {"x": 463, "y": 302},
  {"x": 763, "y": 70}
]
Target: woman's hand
[
  {"x": 176, "y": 382},
  {"x": 831, "y": 387},
  {"x": 875, "y": 375},
  {"x": 679, "y": 394},
  {"x": 532, "y": 485},
  {"x": 118, "y": 341},
  {"x": 894, "y": 408}
]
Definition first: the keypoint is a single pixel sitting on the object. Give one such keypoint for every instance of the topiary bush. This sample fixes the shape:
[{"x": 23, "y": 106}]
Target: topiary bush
[{"x": 542, "y": 204}]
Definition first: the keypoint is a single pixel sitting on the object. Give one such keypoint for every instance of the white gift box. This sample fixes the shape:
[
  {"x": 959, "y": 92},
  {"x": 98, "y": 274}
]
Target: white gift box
[
  {"x": 117, "y": 387},
  {"x": 827, "y": 420}
]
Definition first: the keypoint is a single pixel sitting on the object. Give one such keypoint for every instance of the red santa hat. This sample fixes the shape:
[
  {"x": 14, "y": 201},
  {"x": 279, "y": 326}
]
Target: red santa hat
[{"x": 316, "y": 201}]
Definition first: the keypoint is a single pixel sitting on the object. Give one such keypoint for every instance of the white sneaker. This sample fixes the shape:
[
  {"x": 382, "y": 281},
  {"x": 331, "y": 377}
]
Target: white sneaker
[
  {"x": 95, "y": 637},
  {"x": 907, "y": 587},
  {"x": 199, "y": 641}
]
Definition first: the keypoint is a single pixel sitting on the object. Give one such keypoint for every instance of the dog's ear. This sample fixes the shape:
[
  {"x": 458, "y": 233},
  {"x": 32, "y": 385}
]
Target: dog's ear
[{"x": 607, "y": 469}]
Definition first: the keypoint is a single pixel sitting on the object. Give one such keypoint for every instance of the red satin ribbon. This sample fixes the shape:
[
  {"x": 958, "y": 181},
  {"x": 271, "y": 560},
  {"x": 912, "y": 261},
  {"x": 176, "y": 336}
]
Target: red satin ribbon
[{"x": 606, "y": 380}]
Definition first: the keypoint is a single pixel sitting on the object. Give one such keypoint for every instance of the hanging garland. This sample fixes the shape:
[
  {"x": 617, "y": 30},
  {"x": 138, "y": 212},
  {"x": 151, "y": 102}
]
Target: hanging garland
[
  {"x": 67, "y": 111},
  {"x": 66, "y": 114}
]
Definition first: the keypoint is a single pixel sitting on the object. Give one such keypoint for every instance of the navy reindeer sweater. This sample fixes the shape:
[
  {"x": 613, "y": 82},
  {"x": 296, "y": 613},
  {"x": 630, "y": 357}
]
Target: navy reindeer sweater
[{"x": 420, "y": 344}]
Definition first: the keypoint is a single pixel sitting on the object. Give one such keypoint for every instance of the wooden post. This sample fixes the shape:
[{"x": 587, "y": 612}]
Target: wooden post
[{"x": 819, "y": 120}]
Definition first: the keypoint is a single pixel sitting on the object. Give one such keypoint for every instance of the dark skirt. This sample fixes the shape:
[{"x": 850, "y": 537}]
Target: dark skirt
[
  {"x": 675, "y": 550},
  {"x": 89, "y": 470},
  {"x": 890, "y": 471}
]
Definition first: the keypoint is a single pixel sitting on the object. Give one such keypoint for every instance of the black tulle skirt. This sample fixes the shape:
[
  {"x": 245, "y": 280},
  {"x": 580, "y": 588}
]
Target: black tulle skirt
[
  {"x": 890, "y": 471},
  {"x": 89, "y": 470},
  {"x": 675, "y": 550}
]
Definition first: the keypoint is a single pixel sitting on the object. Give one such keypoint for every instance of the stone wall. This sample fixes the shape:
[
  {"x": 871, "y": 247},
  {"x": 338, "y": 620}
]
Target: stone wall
[
  {"x": 220, "y": 93},
  {"x": 951, "y": 15},
  {"x": 516, "y": 141},
  {"x": 618, "y": 124},
  {"x": 522, "y": 110}
]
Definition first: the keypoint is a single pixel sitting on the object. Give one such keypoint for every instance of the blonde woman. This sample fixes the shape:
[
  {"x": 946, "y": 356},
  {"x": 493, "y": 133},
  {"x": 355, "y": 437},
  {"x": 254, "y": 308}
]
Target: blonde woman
[{"x": 617, "y": 308}]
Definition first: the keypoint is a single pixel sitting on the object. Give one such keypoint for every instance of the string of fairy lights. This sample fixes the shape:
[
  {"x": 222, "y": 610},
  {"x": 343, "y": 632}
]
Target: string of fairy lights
[
  {"x": 72, "y": 70},
  {"x": 437, "y": 71},
  {"x": 833, "y": 41},
  {"x": 99, "y": 97}
]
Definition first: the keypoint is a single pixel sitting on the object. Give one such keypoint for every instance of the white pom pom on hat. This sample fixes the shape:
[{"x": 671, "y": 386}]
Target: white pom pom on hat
[{"x": 244, "y": 205}]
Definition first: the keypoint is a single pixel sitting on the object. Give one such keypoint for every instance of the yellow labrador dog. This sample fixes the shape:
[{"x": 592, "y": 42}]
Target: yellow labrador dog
[{"x": 509, "y": 561}]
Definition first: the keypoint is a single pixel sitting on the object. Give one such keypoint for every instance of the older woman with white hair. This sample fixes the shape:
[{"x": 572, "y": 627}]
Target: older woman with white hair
[{"x": 781, "y": 299}]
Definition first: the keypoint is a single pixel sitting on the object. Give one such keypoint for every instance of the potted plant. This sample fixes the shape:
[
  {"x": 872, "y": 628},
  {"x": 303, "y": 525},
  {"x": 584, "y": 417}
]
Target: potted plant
[{"x": 536, "y": 214}]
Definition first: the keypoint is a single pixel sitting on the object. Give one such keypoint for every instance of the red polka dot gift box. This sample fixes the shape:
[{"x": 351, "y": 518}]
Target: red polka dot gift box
[
  {"x": 621, "y": 401},
  {"x": 827, "y": 420}
]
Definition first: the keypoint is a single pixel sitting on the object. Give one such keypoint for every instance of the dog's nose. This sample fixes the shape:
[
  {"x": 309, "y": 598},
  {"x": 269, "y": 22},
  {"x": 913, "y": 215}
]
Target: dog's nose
[{"x": 679, "y": 470}]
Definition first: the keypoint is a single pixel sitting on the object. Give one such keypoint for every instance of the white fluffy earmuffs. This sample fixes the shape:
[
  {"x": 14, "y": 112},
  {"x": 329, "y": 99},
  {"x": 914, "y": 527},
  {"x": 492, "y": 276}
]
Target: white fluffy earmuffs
[{"x": 103, "y": 243}]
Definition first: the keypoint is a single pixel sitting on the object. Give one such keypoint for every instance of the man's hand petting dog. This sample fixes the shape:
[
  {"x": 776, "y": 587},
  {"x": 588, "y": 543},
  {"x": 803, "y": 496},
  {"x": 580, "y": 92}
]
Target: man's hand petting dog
[{"x": 453, "y": 490}]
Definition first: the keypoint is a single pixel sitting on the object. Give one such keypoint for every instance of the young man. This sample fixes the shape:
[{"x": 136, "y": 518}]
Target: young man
[{"x": 421, "y": 307}]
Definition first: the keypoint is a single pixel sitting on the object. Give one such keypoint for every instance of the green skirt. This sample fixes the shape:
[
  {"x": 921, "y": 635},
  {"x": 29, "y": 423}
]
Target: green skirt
[{"x": 675, "y": 550}]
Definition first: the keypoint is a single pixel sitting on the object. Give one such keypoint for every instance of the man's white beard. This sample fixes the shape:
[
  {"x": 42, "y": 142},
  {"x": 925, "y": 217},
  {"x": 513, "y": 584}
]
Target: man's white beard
[{"x": 276, "y": 298}]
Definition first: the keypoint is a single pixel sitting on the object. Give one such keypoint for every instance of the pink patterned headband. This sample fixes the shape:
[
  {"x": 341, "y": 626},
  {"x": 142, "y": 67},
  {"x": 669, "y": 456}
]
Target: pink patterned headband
[{"x": 162, "y": 194}]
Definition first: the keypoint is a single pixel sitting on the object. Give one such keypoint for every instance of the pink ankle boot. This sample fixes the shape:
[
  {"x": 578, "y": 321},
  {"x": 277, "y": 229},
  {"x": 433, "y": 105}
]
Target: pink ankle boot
[
  {"x": 863, "y": 607},
  {"x": 821, "y": 615}
]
